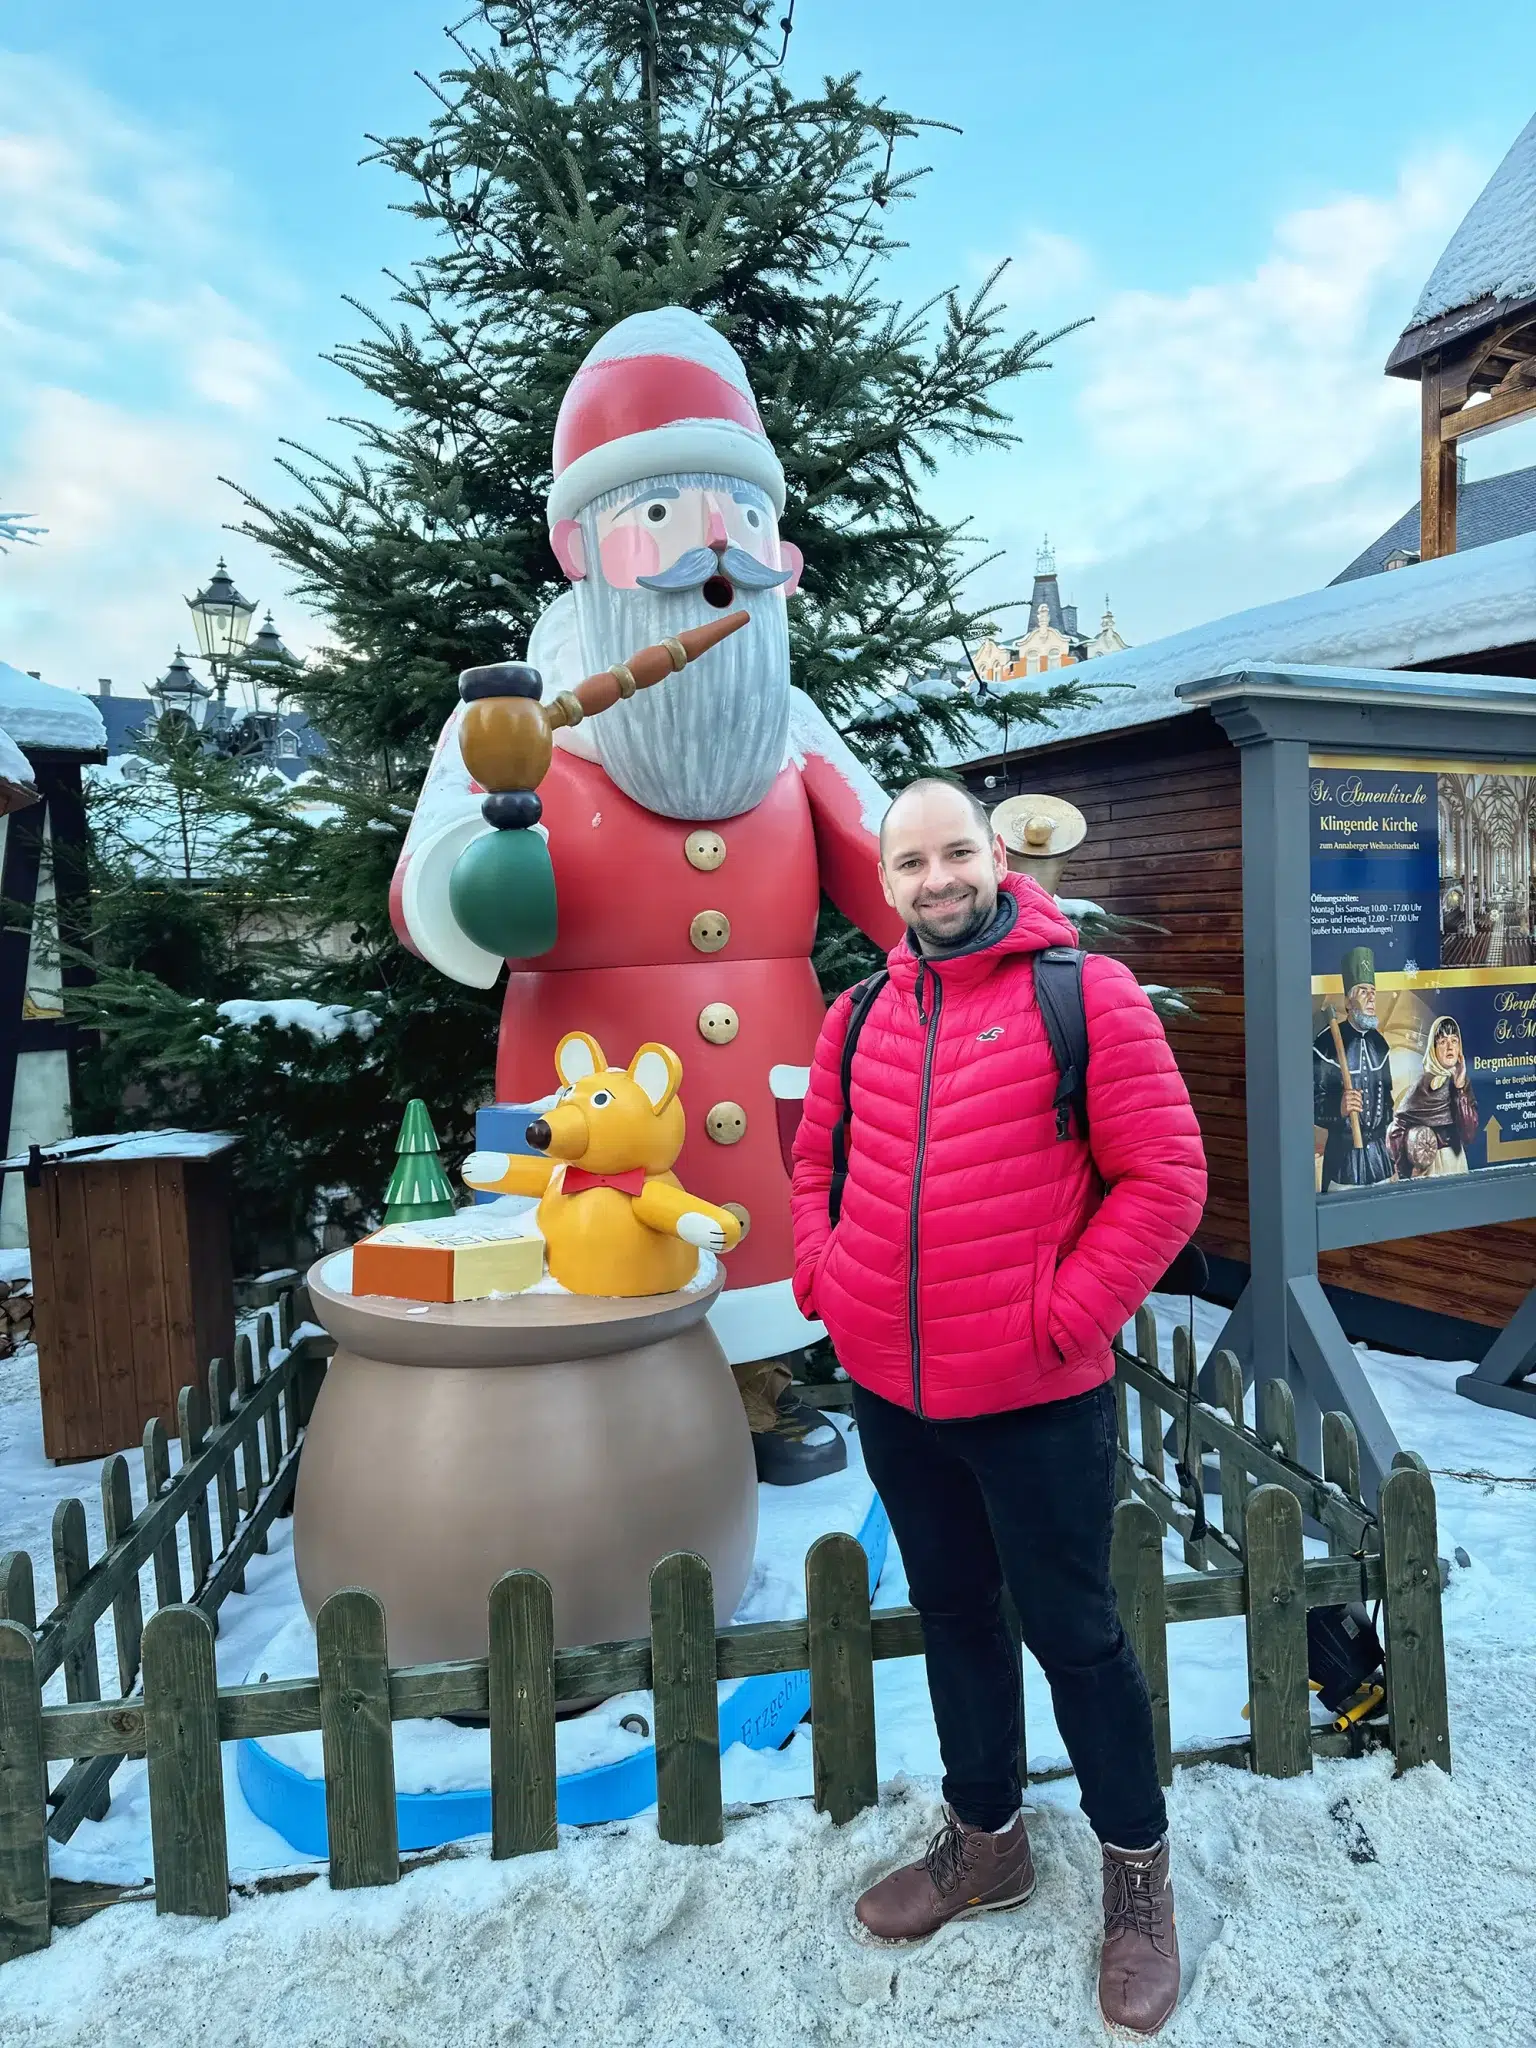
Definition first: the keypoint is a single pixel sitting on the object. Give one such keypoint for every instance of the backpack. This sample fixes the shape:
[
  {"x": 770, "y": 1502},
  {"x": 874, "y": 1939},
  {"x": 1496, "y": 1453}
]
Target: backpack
[{"x": 1059, "y": 992}]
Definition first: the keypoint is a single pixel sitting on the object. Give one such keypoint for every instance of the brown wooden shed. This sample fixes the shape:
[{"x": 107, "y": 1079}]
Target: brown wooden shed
[{"x": 1159, "y": 785}]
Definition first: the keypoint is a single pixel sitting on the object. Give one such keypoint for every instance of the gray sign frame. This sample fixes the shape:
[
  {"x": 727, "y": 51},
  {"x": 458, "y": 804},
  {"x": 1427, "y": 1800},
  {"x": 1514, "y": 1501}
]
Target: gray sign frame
[{"x": 1284, "y": 1325}]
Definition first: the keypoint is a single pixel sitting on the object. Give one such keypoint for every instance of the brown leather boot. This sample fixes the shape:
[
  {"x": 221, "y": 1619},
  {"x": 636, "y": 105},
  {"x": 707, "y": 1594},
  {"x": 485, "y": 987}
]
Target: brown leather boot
[
  {"x": 1139, "y": 1967},
  {"x": 964, "y": 1871}
]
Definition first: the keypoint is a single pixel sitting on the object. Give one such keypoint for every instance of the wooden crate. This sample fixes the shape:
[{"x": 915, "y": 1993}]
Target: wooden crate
[{"x": 133, "y": 1281}]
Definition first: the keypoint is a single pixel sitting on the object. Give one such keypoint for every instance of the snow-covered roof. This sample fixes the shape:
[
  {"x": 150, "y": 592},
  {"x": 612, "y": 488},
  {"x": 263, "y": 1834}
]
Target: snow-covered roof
[
  {"x": 14, "y": 765},
  {"x": 1493, "y": 253},
  {"x": 42, "y": 715},
  {"x": 1431, "y": 611}
]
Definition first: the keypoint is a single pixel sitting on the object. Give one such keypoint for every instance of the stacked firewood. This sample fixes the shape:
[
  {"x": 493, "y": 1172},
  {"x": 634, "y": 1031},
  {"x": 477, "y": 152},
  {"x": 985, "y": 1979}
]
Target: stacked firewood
[{"x": 15, "y": 1315}]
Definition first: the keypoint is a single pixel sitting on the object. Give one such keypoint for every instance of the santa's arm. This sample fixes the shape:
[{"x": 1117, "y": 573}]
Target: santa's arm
[
  {"x": 446, "y": 819},
  {"x": 847, "y": 805}
]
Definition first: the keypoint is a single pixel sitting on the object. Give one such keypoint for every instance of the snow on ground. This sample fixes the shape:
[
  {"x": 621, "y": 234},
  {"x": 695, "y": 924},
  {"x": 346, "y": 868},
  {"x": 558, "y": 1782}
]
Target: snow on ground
[
  {"x": 1345, "y": 1905},
  {"x": 616, "y": 1939}
]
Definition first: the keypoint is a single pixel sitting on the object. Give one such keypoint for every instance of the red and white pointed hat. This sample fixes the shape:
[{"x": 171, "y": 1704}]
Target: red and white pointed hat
[{"x": 660, "y": 393}]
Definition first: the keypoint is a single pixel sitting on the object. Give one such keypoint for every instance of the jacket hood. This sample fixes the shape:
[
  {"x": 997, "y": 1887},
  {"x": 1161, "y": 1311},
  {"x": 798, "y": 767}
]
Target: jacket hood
[{"x": 1037, "y": 922}]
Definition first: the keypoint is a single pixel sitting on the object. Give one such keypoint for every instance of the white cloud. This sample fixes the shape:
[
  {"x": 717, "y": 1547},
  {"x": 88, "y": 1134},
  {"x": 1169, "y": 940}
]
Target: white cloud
[
  {"x": 137, "y": 368},
  {"x": 1235, "y": 439},
  {"x": 1044, "y": 270}
]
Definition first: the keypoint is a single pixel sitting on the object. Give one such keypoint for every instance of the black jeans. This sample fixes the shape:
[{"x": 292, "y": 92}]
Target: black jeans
[{"x": 1026, "y": 1497}]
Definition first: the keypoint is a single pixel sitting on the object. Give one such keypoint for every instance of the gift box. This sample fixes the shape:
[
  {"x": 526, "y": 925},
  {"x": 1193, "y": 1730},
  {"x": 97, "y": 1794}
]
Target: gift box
[{"x": 464, "y": 1257}]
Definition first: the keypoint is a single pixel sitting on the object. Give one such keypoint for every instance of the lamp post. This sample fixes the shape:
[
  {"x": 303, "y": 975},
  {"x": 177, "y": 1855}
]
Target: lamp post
[
  {"x": 222, "y": 618},
  {"x": 179, "y": 690}
]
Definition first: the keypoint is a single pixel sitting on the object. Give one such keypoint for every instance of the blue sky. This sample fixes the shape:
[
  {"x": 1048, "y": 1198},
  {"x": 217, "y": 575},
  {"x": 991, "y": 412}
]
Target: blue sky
[{"x": 1247, "y": 205}]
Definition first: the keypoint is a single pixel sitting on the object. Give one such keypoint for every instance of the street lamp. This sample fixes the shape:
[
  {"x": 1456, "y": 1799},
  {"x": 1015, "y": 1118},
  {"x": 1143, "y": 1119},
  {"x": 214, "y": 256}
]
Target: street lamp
[
  {"x": 222, "y": 618},
  {"x": 179, "y": 690}
]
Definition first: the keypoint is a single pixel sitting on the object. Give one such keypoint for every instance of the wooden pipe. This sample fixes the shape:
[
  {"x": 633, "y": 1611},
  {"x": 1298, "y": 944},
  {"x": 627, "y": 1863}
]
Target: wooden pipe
[{"x": 507, "y": 736}]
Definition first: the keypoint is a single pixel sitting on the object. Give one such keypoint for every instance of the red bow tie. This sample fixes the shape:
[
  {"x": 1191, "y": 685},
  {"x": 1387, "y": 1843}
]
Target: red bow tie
[{"x": 578, "y": 1180}]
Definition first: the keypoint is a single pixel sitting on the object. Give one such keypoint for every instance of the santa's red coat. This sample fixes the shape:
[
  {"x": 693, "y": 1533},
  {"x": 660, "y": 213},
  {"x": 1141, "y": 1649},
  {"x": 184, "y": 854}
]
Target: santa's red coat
[{"x": 628, "y": 966}]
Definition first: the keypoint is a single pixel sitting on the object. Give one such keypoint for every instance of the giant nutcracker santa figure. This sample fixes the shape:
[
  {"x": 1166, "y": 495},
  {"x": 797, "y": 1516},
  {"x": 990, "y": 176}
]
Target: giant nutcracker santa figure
[{"x": 691, "y": 828}]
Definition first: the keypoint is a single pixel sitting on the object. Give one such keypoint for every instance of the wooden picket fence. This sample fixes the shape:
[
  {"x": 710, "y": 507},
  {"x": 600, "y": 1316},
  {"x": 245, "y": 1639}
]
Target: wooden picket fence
[
  {"x": 241, "y": 1438},
  {"x": 181, "y": 1717}
]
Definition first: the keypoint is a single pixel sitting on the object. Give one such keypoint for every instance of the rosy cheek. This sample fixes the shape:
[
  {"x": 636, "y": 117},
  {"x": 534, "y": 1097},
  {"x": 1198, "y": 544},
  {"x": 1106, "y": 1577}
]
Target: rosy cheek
[{"x": 628, "y": 552}]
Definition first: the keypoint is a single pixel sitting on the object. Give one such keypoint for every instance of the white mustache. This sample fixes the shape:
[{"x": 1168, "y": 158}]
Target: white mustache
[{"x": 693, "y": 570}]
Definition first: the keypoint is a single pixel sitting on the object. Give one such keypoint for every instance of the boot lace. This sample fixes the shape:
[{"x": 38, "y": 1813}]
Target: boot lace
[
  {"x": 945, "y": 1858},
  {"x": 1132, "y": 1904}
]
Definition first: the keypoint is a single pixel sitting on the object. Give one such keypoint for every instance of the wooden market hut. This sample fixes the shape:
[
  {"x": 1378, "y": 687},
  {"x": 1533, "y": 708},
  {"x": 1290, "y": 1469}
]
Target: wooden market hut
[{"x": 1159, "y": 784}]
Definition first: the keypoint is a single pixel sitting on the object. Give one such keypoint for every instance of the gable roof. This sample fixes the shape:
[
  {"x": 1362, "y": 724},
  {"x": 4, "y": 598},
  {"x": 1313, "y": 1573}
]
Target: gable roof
[
  {"x": 1493, "y": 508},
  {"x": 1489, "y": 265},
  {"x": 1444, "y": 610}
]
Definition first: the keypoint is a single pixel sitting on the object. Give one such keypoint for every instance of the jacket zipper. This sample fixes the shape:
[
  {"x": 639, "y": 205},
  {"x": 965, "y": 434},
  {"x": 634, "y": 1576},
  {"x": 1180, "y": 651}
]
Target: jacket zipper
[{"x": 917, "y": 1181}]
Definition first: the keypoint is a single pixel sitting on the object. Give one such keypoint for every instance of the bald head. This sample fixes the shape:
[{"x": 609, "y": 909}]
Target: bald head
[
  {"x": 933, "y": 789},
  {"x": 940, "y": 862}
]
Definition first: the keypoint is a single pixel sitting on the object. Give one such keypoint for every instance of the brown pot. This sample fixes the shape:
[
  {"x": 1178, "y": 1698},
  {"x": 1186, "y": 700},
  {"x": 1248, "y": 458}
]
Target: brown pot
[{"x": 580, "y": 1438}]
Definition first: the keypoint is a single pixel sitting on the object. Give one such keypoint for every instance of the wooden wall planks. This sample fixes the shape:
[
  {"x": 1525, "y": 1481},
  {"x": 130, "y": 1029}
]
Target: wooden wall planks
[{"x": 133, "y": 1278}]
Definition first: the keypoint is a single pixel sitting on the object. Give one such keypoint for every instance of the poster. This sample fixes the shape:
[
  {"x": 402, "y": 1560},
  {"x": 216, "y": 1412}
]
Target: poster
[{"x": 1423, "y": 900}]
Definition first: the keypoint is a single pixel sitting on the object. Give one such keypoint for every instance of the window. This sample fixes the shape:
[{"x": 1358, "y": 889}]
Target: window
[{"x": 287, "y": 746}]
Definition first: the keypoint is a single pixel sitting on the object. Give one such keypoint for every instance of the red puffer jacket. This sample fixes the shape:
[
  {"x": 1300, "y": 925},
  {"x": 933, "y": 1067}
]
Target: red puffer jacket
[{"x": 982, "y": 1263}]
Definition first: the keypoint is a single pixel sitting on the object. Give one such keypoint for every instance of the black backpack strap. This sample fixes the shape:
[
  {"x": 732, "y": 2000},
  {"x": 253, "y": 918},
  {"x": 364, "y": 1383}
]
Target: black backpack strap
[
  {"x": 863, "y": 1002},
  {"x": 1059, "y": 992}
]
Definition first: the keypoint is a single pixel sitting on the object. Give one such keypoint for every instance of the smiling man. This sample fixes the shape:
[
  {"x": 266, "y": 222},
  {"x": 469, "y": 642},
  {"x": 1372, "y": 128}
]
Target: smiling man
[{"x": 984, "y": 1255}]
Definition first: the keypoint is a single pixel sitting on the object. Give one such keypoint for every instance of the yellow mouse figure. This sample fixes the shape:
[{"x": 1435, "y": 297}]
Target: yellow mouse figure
[{"x": 615, "y": 1218}]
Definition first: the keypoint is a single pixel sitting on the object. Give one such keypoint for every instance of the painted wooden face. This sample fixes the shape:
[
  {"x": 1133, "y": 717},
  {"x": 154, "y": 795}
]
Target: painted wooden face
[{"x": 649, "y": 531}]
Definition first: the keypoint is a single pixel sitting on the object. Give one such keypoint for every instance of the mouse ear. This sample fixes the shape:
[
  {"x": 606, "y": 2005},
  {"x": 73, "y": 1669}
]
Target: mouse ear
[
  {"x": 657, "y": 1072},
  {"x": 576, "y": 1056}
]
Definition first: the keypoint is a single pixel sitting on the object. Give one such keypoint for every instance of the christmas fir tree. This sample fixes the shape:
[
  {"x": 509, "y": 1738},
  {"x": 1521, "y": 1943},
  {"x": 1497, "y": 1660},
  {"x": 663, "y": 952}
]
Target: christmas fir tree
[
  {"x": 587, "y": 159},
  {"x": 418, "y": 1187}
]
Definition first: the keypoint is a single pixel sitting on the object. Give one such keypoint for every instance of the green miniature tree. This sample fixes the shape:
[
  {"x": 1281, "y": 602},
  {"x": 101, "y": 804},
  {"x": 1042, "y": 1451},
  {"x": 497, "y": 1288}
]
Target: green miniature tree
[{"x": 418, "y": 1188}]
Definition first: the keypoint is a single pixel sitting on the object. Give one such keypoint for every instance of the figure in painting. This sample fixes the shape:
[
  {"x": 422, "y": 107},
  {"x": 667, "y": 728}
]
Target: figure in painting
[
  {"x": 1431, "y": 1132},
  {"x": 1352, "y": 1084}
]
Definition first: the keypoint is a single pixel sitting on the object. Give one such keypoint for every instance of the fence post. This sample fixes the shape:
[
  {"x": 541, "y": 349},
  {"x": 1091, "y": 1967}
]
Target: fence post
[
  {"x": 71, "y": 1562},
  {"x": 1190, "y": 1448},
  {"x": 1341, "y": 1467},
  {"x": 250, "y": 1452},
  {"x": 844, "y": 1766},
  {"x": 1151, "y": 1414},
  {"x": 266, "y": 1338},
  {"x": 522, "y": 1685},
  {"x": 186, "y": 1778},
  {"x": 1136, "y": 1566},
  {"x": 1275, "y": 1413},
  {"x": 18, "y": 1601},
  {"x": 358, "y": 1741},
  {"x": 1417, "y": 1711},
  {"x": 23, "y": 1812},
  {"x": 687, "y": 1709},
  {"x": 157, "y": 1476},
  {"x": 287, "y": 1324},
  {"x": 128, "y": 1607},
  {"x": 221, "y": 1405},
  {"x": 189, "y": 1413},
  {"x": 1234, "y": 1474},
  {"x": 1279, "y": 1699}
]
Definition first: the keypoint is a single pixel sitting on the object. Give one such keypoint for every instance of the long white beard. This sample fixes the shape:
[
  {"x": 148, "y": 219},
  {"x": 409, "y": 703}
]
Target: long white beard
[{"x": 707, "y": 743}]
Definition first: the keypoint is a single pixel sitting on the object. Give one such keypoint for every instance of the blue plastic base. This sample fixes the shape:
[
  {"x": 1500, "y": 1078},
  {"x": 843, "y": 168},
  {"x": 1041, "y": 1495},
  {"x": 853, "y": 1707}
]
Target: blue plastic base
[{"x": 761, "y": 1712}]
